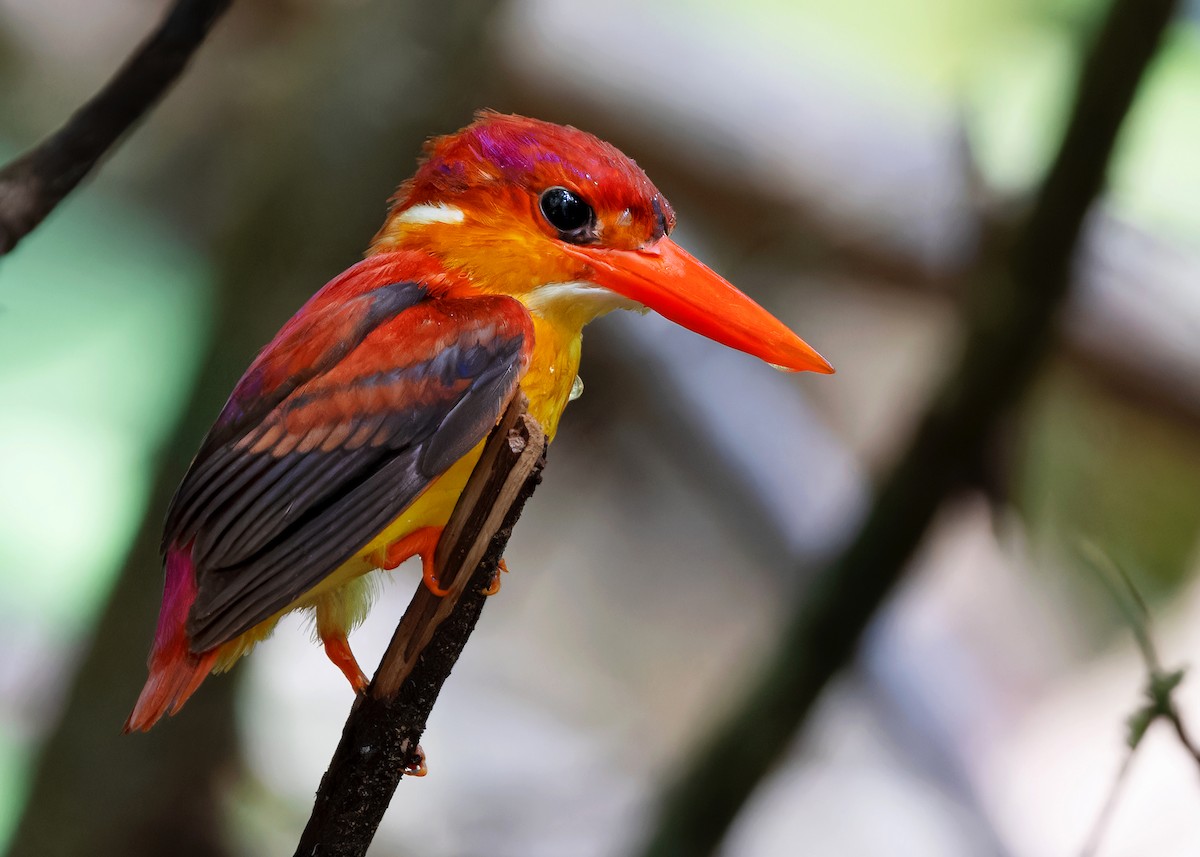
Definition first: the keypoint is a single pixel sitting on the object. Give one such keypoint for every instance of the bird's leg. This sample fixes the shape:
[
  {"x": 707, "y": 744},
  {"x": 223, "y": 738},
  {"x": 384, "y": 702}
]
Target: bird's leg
[
  {"x": 421, "y": 542},
  {"x": 332, "y": 624},
  {"x": 494, "y": 585},
  {"x": 337, "y": 648}
]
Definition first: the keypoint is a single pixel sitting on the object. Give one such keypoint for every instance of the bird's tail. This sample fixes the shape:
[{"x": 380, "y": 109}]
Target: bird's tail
[{"x": 175, "y": 670}]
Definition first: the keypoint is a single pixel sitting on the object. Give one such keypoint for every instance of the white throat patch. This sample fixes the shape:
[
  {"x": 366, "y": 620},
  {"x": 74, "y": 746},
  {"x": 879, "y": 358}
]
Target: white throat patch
[{"x": 577, "y": 295}]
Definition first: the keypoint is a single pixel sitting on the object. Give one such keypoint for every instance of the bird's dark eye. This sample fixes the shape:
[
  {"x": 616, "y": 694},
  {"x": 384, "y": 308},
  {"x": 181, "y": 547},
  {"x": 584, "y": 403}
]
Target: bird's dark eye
[{"x": 567, "y": 212}]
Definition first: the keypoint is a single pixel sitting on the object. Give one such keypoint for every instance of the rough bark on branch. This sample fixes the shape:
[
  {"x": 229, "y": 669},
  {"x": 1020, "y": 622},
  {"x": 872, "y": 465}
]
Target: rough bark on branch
[
  {"x": 33, "y": 184},
  {"x": 1010, "y": 328},
  {"x": 379, "y": 742}
]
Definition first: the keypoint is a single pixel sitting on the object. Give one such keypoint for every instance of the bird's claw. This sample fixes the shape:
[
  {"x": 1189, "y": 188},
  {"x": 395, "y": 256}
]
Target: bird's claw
[
  {"x": 415, "y": 766},
  {"x": 429, "y": 575},
  {"x": 494, "y": 585}
]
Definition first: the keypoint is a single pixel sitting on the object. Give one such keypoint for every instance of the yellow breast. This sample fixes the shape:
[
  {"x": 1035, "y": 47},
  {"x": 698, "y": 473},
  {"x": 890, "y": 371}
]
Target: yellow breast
[{"x": 548, "y": 382}]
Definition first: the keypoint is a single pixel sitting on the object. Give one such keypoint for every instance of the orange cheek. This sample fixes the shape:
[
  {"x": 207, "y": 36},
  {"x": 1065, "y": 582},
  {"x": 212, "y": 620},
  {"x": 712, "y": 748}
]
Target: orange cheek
[{"x": 512, "y": 262}]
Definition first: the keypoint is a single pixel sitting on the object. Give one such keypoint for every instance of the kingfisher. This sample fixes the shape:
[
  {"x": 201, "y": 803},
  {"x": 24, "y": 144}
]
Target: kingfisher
[{"x": 344, "y": 447}]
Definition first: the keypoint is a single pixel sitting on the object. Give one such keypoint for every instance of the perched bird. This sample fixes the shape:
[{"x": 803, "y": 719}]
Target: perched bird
[{"x": 345, "y": 445}]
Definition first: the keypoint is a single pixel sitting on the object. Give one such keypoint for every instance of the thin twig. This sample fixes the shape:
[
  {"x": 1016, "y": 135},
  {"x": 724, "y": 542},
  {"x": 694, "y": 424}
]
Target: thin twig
[
  {"x": 1181, "y": 732},
  {"x": 1127, "y": 598},
  {"x": 1160, "y": 684},
  {"x": 33, "y": 184},
  {"x": 379, "y": 742},
  {"x": 1010, "y": 328},
  {"x": 1100, "y": 826}
]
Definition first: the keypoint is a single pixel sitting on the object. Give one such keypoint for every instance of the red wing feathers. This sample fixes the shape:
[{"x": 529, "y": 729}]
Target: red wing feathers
[
  {"x": 330, "y": 325},
  {"x": 388, "y": 386}
]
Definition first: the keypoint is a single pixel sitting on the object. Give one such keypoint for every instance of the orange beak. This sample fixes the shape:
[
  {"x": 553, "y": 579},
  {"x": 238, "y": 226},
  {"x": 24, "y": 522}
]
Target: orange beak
[{"x": 673, "y": 283}]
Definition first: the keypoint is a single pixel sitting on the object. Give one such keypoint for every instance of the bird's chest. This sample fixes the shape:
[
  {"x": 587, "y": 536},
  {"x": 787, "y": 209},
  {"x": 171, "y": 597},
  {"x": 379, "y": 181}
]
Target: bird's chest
[{"x": 553, "y": 367}]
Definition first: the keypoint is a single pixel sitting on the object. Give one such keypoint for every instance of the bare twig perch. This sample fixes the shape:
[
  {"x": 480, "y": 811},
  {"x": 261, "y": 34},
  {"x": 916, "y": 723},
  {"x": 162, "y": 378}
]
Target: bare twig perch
[
  {"x": 33, "y": 184},
  {"x": 380, "y": 738},
  {"x": 1010, "y": 328}
]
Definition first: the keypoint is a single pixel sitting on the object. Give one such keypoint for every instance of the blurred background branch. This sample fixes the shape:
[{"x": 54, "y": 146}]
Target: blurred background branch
[
  {"x": 172, "y": 812},
  {"x": 32, "y": 185},
  {"x": 165, "y": 793},
  {"x": 1009, "y": 330}
]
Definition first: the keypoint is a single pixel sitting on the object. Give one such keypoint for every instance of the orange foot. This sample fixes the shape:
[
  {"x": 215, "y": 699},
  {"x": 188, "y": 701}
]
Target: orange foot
[
  {"x": 416, "y": 767},
  {"x": 337, "y": 648},
  {"x": 494, "y": 585},
  {"x": 421, "y": 542}
]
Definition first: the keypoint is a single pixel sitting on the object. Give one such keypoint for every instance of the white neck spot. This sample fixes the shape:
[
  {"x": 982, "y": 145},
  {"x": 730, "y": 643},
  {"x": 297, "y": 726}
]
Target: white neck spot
[{"x": 431, "y": 213}]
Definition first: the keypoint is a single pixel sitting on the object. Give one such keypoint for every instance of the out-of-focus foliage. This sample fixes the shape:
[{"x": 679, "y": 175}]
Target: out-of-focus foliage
[
  {"x": 102, "y": 312},
  {"x": 1007, "y": 65},
  {"x": 933, "y": 45},
  {"x": 1015, "y": 110},
  {"x": 1098, "y": 468}
]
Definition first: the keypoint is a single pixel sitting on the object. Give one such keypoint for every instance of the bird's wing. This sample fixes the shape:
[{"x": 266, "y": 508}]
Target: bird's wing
[{"x": 339, "y": 425}]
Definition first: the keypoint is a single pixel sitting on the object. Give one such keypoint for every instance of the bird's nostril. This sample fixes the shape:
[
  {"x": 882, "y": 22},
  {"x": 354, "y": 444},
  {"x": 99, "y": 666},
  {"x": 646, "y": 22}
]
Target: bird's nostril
[{"x": 661, "y": 227}]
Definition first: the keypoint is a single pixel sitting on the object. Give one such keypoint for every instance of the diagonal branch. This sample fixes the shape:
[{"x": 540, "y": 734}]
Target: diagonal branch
[
  {"x": 33, "y": 184},
  {"x": 379, "y": 742},
  {"x": 1010, "y": 328}
]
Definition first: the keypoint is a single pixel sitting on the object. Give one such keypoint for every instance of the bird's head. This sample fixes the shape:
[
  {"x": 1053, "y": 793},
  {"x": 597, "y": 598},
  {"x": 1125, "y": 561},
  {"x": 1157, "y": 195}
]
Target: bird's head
[{"x": 573, "y": 228}]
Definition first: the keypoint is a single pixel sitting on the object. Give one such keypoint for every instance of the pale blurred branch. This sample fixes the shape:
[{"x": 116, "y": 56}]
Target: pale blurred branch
[
  {"x": 1010, "y": 327},
  {"x": 380, "y": 740},
  {"x": 1096, "y": 835},
  {"x": 37, "y": 181},
  {"x": 1159, "y": 690}
]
